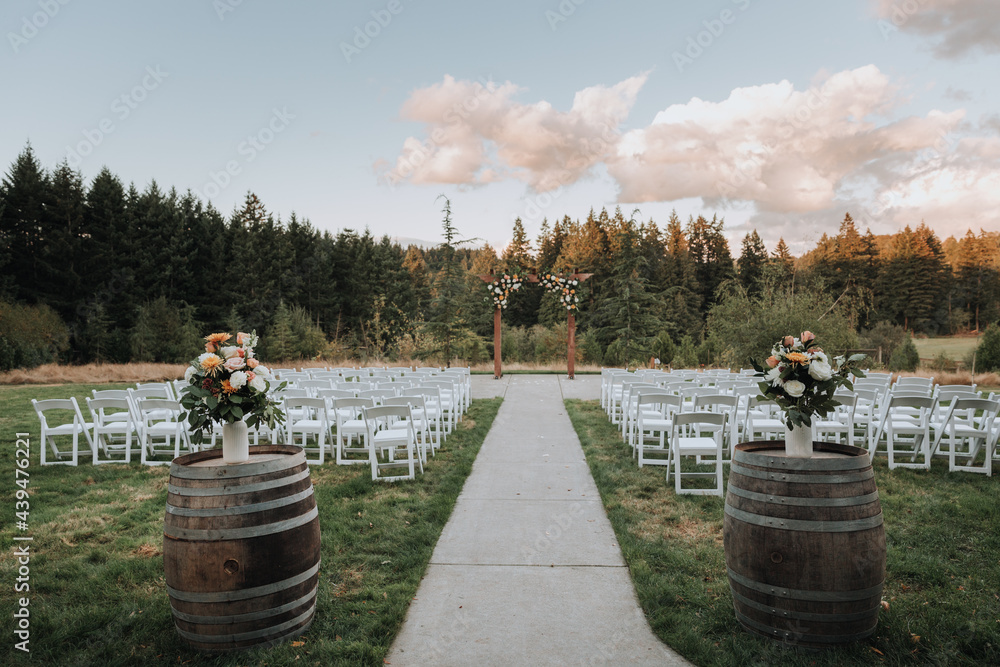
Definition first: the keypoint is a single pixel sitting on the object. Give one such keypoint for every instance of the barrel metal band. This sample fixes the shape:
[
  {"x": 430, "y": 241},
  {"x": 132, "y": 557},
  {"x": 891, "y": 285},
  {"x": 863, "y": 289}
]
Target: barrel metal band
[
  {"x": 796, "y": 501},
  {"x": 252, "y": 616},
  {"x": 808, "y": 479},
  {"x": 227, "y": 490},
  {"x": 805, "y": 524},
  {"x": 244, "y": 636},
  {"x": 794, "y": 637},
  {"x": 808, "y": 596},
  {"x": 179, "y": 533},
  {"x": 794, "y": 463},
  {"x": 806, "y": 616},
  {"x": 241, "y": 470},
  {"x": 240, "y": 509},
  {"x": 244, "y": 594}
]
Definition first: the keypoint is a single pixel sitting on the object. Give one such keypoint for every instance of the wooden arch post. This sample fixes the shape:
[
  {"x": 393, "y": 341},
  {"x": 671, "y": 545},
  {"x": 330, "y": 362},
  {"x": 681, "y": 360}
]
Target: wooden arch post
[
  {"x": 497, "y": 362},
  {"x": 571, "y": 331}
]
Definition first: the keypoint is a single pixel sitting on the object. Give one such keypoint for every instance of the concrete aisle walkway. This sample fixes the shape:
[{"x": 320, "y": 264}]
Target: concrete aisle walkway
[{"x": 528, "y": 571}]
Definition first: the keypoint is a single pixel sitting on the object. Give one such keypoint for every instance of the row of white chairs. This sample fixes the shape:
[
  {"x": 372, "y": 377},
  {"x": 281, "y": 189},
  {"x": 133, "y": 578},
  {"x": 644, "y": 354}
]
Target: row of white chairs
[
  {"x": 152, "y": 416},
  {"x": 953, "y": 422}
]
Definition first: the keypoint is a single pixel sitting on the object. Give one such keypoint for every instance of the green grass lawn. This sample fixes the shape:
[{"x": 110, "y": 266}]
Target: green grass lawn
[
  {"x": 956, "y": 349},
  {"x": 943, "y": 565},
  {"x": 97, "y": 586}
]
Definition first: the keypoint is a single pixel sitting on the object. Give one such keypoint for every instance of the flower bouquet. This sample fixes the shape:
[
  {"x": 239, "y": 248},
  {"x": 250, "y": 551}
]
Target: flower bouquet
[
  {"x": 501, "y": 288},
  {"x": 564, "y": 287},
  {"x": 228, "y": 385},
  {"x": 801, "y": 379}
]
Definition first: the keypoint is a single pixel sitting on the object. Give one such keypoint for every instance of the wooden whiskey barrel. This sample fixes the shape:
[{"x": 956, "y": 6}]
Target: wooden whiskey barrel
[
  {"x": 804, "y": 542},
  {"x": 241, "y": 548}
]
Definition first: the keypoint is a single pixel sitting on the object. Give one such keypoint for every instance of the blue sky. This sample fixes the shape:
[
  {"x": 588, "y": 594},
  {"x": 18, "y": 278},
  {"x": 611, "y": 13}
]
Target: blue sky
[{"x": 779, "y": 116}]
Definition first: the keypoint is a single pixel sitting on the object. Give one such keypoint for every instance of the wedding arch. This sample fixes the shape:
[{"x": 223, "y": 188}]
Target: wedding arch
[{"x": 502, "y": 285}]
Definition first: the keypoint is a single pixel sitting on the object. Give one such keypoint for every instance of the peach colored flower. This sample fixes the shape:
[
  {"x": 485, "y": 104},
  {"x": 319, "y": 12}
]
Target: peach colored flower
[
  {"x": 772, "y": 361},
  {"x": 807, "y": 336},
  {"x": 788, "y": 341},
  {"x": 797, "y": 357},
  {"x": 234, "y": 363},
  {"x": 252, "y": 363},
  {"x": 241, "y": 338},
  {"x": 228, "y": 388},
  {"x": 218, "y": 337},
  {"x": 211, "y": 347}
]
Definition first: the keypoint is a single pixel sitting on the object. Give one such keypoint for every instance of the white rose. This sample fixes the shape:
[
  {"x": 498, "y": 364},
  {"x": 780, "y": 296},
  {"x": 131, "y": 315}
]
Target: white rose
[
  {"x": 257, "y": 383},
  {"x": 263, "y": 370},
  {"x": 821, "y": 356},
  {"x": 229, "y": 352},
  {"x": 794, "y": 388},
  {"x": 188, "y": 374},
  {"x": 774, "y": 377},
  {"x": 238, "y": 379},
  {"x": 820, "y": 370}
]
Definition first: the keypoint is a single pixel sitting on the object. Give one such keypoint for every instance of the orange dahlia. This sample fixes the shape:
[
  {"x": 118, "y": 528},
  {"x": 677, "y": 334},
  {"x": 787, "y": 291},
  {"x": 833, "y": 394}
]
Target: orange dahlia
[
  {"x": 228, "y": 388},
  {"x": 797, "y": 358},
  {"x": 210, "y": 363},
  {"x": 218, "y": 337}
]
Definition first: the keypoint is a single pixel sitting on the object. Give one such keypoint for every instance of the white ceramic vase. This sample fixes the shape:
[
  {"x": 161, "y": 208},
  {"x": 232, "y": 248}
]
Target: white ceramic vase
[
  {"x": 799, "y": 442},
  {"x": 235, "y": 442}
]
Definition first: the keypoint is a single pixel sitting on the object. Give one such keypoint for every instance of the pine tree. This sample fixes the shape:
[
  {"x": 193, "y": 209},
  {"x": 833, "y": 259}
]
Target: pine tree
[
  {"x": 26, "y": 196},
  {"x": 446, "y": 326},
  {"x": 712, "y": 259},
  {"x": 750, "y": 265}
]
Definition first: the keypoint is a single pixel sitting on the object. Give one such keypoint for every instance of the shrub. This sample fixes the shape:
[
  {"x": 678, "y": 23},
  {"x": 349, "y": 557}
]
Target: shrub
[
  {"x": 165, "y": 332},
  {"x": 885, "y": 335},
  {"x": 30, "y": 336},
  {"x": 905, "y": 357},
  {"x": 664, "y": 348},
  {"x": 988, "y": 350},
  {"x": 686, "y": 355}
]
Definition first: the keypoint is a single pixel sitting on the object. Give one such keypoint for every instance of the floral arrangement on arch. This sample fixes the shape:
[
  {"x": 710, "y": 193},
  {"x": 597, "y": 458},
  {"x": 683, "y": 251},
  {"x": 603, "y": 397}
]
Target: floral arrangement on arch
[
  {"x": 228, "y": 384},
  {"x": 801, "y": 378},
  {"x": 501, "y": 289},
  {"x": 565, "y": 288}
]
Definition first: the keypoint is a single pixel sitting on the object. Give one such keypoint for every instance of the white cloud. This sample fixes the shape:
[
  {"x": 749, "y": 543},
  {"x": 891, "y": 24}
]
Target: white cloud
[
  {"x": 789, "y": 158},
  {"x": 477, "y": 133},
  {"x": 957, "y": 27}
]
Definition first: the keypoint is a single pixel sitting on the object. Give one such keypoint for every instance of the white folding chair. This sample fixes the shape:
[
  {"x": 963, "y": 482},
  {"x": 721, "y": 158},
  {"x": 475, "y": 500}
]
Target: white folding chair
[
  {"x": 654, "y": 421},
  {"x": 390, "y": 430},
  {"x": 308, "y": 416},
  {"x": 431, "y": 412},
  {"x": 763, "y": 420},
  {"x": 839, "y": 422},
  {"x": 72, "y": 428},
  {"x": 114, "y": 427},
  {"x": 160, "y": 418},
  {"x": 697, "y": 434},
  {"x": 418, "y": 415},
  {"x": 906, "y": 427},
  {"x": 350, "y": 423},
  {"x": 969, "y": 429},
  {"x": 725, "y": 405}
]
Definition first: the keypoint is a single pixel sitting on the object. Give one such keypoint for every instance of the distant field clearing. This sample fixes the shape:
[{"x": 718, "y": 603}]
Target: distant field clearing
[{"x": 956, "y": 349}]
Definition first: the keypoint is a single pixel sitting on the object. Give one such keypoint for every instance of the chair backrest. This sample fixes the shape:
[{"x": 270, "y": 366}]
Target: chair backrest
[
  {"x": 56, "y": 404},
  {"x": 712, "y": 401},
  {"x": 384, "y": 411},
  {"x": 316, "y": 406},
  {"x": 157, "y": 409},
  {"x": 334, "y": 393},
  {"x": 99, "y": 406},
  {"x": 110, "y": 393},
  {"x": 659, "y": 398},
  {"x": 987, "y": 406},
  {"x": 314, "y": 384},
  {"x": 907, "y": 401},
  {"x": 707, "y": 418},
  {"x": 150, "y": 392},
  {"x": 345, "y": 403}
]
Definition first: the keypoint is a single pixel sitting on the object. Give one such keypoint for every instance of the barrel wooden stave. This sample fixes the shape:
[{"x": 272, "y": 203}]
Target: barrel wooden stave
[
  {"x": 238, "y": 578},
  {"x": 815, "y": 587}
]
